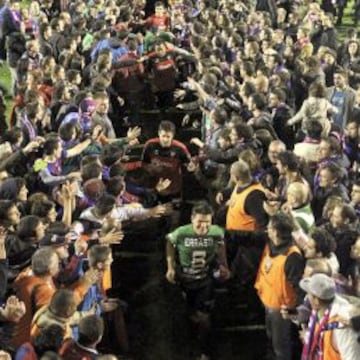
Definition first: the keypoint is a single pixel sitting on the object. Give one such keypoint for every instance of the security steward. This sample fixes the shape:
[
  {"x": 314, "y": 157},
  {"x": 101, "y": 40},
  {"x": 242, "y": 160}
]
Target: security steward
[
  {"x": 277, "y": 283},
  {"x": 246, "y": 222}
]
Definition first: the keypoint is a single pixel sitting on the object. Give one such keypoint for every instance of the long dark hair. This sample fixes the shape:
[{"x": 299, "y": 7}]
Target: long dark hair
[
  {"x": 5, "y": 206},
  {"x": 27, "y": 228}
]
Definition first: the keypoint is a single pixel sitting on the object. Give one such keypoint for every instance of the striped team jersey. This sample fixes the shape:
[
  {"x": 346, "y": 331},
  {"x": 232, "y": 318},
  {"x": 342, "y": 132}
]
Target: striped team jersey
[{"x": 166, "y": 162}]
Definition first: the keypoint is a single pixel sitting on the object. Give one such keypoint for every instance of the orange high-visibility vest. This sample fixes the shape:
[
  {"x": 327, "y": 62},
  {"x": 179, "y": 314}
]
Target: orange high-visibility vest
[
  {"x": 271, "y": 284},
  {"x": 330, "y": 353},
  {"x": 106, "y": 283},
  {"x": 236, "y": 217}
]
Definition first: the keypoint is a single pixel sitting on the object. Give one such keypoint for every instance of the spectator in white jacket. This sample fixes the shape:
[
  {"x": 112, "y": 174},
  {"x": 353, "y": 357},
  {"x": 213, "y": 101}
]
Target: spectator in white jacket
[{"x": 315, "y": 108}]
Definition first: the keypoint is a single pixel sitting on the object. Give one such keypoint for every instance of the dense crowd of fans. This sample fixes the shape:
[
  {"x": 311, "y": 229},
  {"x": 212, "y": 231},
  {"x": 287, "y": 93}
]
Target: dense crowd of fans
[{"x": 274, "y": 94}]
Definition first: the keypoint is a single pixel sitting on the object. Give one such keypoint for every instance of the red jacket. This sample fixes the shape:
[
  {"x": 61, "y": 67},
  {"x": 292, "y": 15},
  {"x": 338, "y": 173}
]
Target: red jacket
[
  {"x": 35, "y": 292},
  {"x": 71, "y": 350}
]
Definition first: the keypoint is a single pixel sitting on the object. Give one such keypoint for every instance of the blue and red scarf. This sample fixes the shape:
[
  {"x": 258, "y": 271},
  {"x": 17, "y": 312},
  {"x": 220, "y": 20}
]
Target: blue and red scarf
[{"x": 314, "y": 340}]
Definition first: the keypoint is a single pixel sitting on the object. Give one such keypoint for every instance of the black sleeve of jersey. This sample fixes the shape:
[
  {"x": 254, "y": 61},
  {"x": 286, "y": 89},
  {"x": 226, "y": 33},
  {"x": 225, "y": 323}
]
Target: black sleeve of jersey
[
  {"x": 146, "y": 154},
  {"x": 294, "y": 269},
  {"x": 254, "y": 206},
  {"x": 124, "y": 63},
  {"x": 184, "y": 157}
]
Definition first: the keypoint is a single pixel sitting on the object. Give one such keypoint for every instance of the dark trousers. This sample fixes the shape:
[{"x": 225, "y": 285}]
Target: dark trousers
[
  {"x": 244, "y": 250},
  {"x": 279, "y": 330},
  {"x": 165, "y": 99},
  {"x": 115, "y": 333},
  {"x": 200, "y": 299}
]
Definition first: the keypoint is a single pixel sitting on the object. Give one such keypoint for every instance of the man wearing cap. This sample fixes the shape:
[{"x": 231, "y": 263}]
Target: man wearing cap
[
  {"x": 59, "y": 243},
  {"x": 277, "y": 283},
  {"x": 327, "y": 337}
]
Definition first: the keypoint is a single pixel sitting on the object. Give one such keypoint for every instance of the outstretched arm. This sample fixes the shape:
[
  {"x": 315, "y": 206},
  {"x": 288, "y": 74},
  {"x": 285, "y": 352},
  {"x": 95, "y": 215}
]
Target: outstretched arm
[{"x": 79, "y": 148}]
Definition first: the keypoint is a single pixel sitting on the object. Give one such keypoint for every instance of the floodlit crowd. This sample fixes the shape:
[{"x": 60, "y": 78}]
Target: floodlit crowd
[{"x": 93, "y": 155}]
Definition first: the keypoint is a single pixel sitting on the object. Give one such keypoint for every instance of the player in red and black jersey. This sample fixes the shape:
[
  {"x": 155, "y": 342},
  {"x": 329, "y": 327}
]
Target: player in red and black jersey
[
  {"x": 162, "y": 67},
  {"x": 160, "y": 19},
  {"x": 162, "y": 64},
  {"x": 164, "y": 157},
  {"x": 128, "y": 82}
]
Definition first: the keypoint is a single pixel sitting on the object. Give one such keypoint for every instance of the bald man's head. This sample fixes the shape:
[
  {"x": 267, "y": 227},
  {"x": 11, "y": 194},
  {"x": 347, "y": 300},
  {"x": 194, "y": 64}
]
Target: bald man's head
[
  {"x": 275, "y": 148},
  {"x": 240, "y": 172}
]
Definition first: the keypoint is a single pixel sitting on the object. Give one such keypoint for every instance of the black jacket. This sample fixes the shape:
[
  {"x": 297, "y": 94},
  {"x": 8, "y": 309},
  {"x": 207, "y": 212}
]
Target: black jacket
[
  {"x": 263, "y": 121},
  {"x": 9, "y": 26},
  {"x": 16, "y": 46},
  {"x": 46, "y": 48},
  {"x": 280, "y": 116},
  {"x": 231, "y": 155},
  {"x": 322, "y": 194},
  {"x": 345, "y": 237},
  {"x": 15, "y": 164}
]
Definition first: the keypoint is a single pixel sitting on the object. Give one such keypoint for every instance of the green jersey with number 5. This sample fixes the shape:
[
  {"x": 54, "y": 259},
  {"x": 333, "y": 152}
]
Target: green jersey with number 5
[{"x": 196, "y": 252}]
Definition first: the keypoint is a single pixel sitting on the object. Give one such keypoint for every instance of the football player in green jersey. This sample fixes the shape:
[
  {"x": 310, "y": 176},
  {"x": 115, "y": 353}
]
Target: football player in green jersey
[{"x": 195, "y": 255}]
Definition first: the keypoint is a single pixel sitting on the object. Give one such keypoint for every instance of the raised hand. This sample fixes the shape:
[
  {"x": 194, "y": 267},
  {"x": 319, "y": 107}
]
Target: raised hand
[
  {"x": 197, "y": 142},
  {"x": 74, "y": 175},
  {"x": 224, "y": 272},
  {"x": 133, "y": 133},
  {"x": 92, "y": 276},
  {"x": 96, "y": 132},
  {"x": 80, "y": 246},
  {"x": 14, "y": 309},
  {"x": 271, "y": 207},
  {"x": 159, "y": 210},
  {"x": 73, "y": 188},
  {"x": 270, "y": 195},
  {"x": 162, "y": 184},
  {"x": 219, "y": 198},
  {"x": 31, "y": 146},
  {"x": 133, "y": 142},
  {"x": 113, "y": 237},
  {"x": 4, "y": 355},
  {"x": 179, "y": 94}
]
